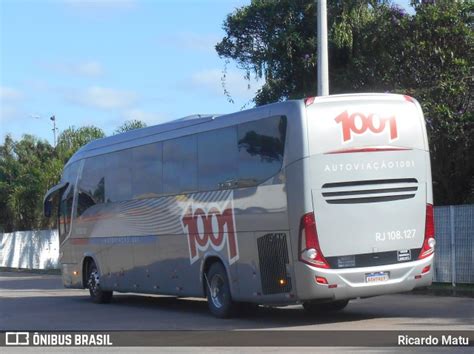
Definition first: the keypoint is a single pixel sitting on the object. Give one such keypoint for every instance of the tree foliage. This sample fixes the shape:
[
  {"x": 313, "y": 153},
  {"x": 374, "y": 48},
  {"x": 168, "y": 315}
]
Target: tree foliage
[
  {"x": 28, "y": 168},
  {"x": 71, "y": 139},
  {"x": 374, "y": 46},
  {"x": 276, "y": 40},
  {"x": 23, "y": 181},
  {"x": 439, "y": 52},
  {"x": 130, "y": 125}
]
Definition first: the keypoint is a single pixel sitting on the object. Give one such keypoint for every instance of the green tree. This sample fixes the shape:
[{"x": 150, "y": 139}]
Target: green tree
[
  {"x": 28, "y": 168},
  {"x": 23, "y": 182},
  {"x": 71, "y": 139},
  {"x": 130, "y": 125},
  {"x": 8, "y": 173},
  {"x": 374, "y": 46},
  {"x": 439, "y": 51},
  {"x": 276, "y": 40}
]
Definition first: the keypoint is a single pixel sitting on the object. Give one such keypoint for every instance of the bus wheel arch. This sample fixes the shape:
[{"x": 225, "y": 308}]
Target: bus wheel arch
[
  {"x": 217, "y": 289},
  {"x": 206, "y": 265},
  {"x": 91, "y": 281},
  {"x": 86, "y": 264}
]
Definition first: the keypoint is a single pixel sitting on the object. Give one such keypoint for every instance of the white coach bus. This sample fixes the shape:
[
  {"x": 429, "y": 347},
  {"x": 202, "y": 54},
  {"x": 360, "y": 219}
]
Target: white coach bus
[{"x": 314, "y": 201}]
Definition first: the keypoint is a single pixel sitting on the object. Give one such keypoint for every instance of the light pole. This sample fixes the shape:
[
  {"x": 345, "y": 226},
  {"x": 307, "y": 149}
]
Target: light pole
[
  {"x": 53, "y": 118},
  {"x": 323, "y": 77},
  {"x": 55, "y": 129}
]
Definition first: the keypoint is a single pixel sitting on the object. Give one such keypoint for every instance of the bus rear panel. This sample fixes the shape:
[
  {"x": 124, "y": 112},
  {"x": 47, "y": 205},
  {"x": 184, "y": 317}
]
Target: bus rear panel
[{"x": 369, "y": 227}]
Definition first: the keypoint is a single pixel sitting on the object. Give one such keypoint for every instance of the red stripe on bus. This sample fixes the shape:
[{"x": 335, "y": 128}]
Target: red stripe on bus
[
  {"x": 84, "y": 219},
  {"x": 79, "y": 241},
  {"x": 367, "y": 149}
]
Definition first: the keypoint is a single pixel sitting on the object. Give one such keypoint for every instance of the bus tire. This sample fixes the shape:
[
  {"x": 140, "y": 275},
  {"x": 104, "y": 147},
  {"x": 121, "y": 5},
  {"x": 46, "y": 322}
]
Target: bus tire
[
  {"x": 98, "y": 295},
  {"x": 321, "y": 307},
  {"x": 218, "y": 294}
]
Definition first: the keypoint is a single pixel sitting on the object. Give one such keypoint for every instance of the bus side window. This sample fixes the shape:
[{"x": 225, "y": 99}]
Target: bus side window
[
  {"x": 180, "y": 165},
  {"x": 92, "y": 184},
  {"x": 117, "y": 169},
  {"x": 261, "y": 145},
  {"x": 147, "y": 163},
  {"x": 84, "y": 202},
  {"x": 65, "y": 201},
  {"x": 65, "y": 212},
  {"x": 217, "y": 159}
]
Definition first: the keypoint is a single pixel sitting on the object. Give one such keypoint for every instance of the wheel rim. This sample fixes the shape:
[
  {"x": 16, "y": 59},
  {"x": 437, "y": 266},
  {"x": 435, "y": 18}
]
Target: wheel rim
[
  {"x": 217, "y": 291},
  {"x": 94, "y": 282}
]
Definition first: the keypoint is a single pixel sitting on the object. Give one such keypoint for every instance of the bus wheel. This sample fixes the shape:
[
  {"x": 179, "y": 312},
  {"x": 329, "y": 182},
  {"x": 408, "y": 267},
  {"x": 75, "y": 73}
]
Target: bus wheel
[
  {"x": 321, "y": 307},
  {"x": 93, "y": 284},
  {"x": 218, "y": 294}
]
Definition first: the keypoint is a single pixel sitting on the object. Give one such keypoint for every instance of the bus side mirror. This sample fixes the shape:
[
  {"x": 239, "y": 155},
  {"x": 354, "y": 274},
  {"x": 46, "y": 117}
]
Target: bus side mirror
[{"x": 47, "y": 208}]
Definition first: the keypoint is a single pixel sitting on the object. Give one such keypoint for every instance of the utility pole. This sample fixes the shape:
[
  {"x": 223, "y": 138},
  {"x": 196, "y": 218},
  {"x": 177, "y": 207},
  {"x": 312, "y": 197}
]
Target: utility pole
[
  {"x": 323, "y": 76},
  {"x": 53, "y": 118}
]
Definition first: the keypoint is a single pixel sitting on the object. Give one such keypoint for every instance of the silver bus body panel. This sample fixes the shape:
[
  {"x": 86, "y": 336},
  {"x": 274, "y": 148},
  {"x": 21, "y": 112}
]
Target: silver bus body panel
[
  {"x": 351, "y": 217},
  {"x": 146, "y": 250},
  {"x": 365, "y": 227},
  {"x": 141, "y": 245}
]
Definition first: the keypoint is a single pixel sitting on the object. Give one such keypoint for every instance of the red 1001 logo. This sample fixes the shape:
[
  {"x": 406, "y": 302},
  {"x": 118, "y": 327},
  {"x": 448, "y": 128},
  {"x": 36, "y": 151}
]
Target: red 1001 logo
[
  {"x": 358, "y": 123},
  {"x": 210, "y": 225}
]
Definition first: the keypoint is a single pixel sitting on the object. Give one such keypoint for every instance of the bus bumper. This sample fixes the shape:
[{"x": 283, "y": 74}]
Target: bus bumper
[{"x": 352, "y": 282}]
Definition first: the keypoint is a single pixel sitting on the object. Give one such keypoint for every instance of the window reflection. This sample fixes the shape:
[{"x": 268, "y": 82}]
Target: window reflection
[
  {"x": 218, "y": 159},
  {"x": 180, "y": 165},
  {"x": 261, "y": 146},
  {"x": 244, "y": 155}
]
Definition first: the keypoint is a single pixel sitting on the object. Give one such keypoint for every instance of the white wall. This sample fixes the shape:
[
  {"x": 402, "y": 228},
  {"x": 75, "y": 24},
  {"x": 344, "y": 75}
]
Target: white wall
[{"x": 30, "y": 249}]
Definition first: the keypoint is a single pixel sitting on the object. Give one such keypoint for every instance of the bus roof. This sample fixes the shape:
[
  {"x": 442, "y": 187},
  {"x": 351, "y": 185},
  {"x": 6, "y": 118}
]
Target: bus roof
[
  {"x": 146, "y": 135},
  {"x": 142, "y": 133}
]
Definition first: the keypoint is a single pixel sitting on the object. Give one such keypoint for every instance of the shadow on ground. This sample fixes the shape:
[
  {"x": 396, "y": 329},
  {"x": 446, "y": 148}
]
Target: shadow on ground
[{"x": 39, "y": 302}]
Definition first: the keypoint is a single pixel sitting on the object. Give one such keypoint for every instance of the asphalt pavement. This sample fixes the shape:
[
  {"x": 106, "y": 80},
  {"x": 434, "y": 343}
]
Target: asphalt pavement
[{"x": 39, "y": 302}]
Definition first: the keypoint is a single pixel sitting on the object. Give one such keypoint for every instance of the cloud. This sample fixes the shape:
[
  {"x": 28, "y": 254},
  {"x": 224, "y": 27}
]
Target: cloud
[
  {"x": 103, "y": 98},
  {"x": 9, "y": 94},
  {"x": 99, "y": 10},
  {"x": 9, "y": 99},
  {"x": 88, "y": 68},
  {"x": 8, "y": 112},
  {"x": 190, "y": 41},
  {"x": 234, "y": 82}
]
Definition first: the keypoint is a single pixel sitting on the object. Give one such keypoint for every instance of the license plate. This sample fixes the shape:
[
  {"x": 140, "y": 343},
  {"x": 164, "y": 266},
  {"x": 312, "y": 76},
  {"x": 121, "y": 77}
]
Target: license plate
[{"x": 376, "y": 277}]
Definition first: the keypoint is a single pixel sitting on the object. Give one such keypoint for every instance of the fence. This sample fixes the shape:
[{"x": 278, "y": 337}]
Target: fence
[
  {"x": 30, "y": 249},
  {"x": 454, "y": 256}
]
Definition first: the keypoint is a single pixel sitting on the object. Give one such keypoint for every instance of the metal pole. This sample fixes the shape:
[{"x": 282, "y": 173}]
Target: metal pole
[
  {"x": 323, "y": 80},
  {"x": 453, "y": 246},
  {"x": 53, "y": 118}
]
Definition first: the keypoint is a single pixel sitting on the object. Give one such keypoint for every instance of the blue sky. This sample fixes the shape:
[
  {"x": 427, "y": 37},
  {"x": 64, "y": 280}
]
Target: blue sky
[{"x": 102, "y": 62}]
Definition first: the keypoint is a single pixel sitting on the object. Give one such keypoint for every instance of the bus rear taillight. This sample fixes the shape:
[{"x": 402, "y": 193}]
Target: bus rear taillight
[
  {"x": 310, "y": 251},
  {"x": 429, "y": 242}
]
